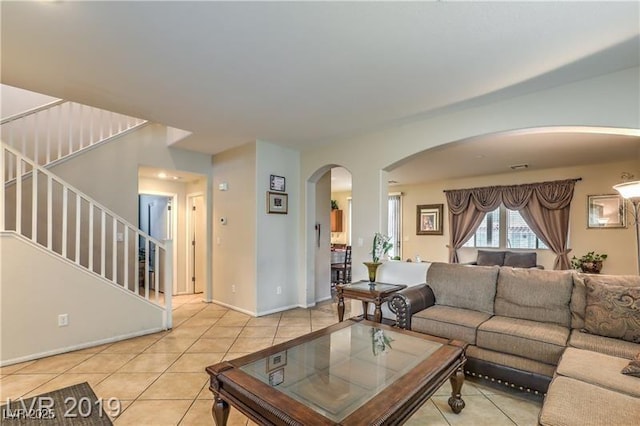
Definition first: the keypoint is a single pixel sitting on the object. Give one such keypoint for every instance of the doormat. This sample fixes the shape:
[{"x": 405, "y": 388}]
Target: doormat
[{"x": 73, "y": 405}]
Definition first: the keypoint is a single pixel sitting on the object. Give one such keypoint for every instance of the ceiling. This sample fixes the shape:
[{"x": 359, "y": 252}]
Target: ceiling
[{"x": 303, "y": 74}]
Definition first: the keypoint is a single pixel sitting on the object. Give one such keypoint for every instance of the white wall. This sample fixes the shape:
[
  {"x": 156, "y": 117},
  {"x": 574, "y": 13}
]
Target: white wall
[
  {"x": 277, "y": 234},
  {"x": 31, "y": 298},
  {"x": 234, "y": 247},
  {"x": 618, "y": 243},
  {"x": 610, "y": 100}
]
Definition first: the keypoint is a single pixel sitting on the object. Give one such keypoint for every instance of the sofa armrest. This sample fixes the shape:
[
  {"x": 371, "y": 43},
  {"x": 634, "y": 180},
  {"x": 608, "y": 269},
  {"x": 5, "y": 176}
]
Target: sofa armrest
[{"x": 407, "y": 302}]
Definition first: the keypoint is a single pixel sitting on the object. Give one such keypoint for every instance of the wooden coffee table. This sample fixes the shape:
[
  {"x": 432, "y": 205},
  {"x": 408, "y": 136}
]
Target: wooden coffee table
[
  {"x": 356, "y": 372},
  {"x": 367, "y": 292}
]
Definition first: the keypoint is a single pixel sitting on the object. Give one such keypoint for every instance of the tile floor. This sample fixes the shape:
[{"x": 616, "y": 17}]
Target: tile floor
[{"x": 160, "y": 379}]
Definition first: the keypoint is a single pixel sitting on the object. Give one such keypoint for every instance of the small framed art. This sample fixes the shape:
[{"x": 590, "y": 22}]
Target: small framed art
[
  {"x": 277, "y": 183},
  {"x": 429, "y": 219},
  {"x": 277, "y": 203}
]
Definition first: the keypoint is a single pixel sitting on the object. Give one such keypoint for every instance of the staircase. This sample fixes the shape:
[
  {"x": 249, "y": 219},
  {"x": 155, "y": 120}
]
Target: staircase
[{"x": 42, "y": 209}]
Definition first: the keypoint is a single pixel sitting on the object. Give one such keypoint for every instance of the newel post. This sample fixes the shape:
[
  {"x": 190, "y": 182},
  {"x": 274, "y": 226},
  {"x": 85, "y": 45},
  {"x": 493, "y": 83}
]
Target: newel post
[{"x": 168, "y": 283}]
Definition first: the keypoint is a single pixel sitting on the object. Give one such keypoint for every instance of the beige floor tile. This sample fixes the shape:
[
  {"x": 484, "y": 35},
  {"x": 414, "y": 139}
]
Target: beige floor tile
[
  {"x": 270, "y": 320},
  {"x": 102, "y": 363},
  {"x": 233, "y": 355},
  {"x": 428, "y": 414},
  {"x": 198, "y": 414},
  {"x": 218, "y": 331},
  {"x": 232, "y": 321},
  {"x": 197, "y": 320},
  {"x": 297, "y": 313},
  {"x": 250, "y": 344},
  {"x": 171, "y": 344},
  {"x": 176, "y": 386},
  {"x": 211, "y": 315},
  {"x": 212, "y": 345},
  {"x": 116, "y": 408},
  {"x": 521, "y": 411},
  {"x": 69, "y": 379},
  {"x": 125, "y": 385},
  {"x": 93, "y": 349},
  {"x": 258, "y": 332},
  {"x": 149, "y": 362},
  {"x": 157, "y": 413},
  {"x": 195, "y": 362},
  {"x": 185, "y": 331},
  {"x": 279, "y": 340},
  {"x": 131, "y": 346},
  {"x": 10, "y": 369},
  {"x": 294, "y": 322},
  {"x": 55, "y": 364},
  {"x": 17, "y": 385},
  {"x": 478, "y": 411},
  {"x": 290, "y": 332},
  {"x": 205, "y": 393},
  {"x": 236, "y": 418}
]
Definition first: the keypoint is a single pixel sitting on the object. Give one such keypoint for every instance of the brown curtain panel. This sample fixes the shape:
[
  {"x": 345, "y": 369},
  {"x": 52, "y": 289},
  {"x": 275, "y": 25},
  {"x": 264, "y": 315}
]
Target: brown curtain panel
[
  {"x": 544, "y": 207},
  {"x": 467, "y": 209}
]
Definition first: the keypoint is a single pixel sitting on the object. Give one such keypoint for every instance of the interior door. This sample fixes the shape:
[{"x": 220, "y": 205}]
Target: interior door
[{"x": 198, "y": 243}]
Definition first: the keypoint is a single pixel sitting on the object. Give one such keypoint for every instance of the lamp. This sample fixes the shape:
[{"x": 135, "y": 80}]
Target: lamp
[{"x": 631, "y": 191}]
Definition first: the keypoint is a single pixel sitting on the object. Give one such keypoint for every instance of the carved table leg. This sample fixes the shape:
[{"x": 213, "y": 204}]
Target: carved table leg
[
  {"x": 220, "y": 411},
  {"x": 377, "y": 313},
  {"x": 340, "y": 307},
  {"x": 455, "y": 401}
]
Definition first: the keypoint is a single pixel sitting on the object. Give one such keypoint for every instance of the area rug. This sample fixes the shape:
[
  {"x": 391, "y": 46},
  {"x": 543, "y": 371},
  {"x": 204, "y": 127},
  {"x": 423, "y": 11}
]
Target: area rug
[{"x": 73, "y": 405}]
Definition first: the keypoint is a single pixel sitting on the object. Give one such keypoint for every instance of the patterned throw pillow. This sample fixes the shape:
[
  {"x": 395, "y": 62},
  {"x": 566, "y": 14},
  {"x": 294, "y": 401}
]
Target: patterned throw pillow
[
  {"x": 613, "y": 311},
  {"x": 633, "y": 369}
]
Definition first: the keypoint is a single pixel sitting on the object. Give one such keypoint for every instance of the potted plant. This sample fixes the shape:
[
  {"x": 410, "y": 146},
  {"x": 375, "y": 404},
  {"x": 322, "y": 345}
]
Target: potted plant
[
  {"x": 334, "y": 205},
  {"x": 381, "y": 247},
  {"x": 590, "y": 263}
]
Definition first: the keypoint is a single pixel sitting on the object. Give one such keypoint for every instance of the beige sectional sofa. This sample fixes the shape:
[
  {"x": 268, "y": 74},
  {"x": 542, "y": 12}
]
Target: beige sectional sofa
[{"x": 553, "y": 332}]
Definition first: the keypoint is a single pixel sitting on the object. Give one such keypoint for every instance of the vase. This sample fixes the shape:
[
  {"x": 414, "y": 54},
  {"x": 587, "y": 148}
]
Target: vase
[
  {"x": 591, "y": 267},
  {"x": 372, "y": 267}
]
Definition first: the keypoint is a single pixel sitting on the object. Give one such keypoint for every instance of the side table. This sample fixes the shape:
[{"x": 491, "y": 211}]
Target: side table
[{"x": 367, "y": 292}]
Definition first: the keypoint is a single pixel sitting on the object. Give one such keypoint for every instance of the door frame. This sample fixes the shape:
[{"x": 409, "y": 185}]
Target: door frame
[
  {"x": 189, "y": 196},
  {"x": 174, "y": 229}
]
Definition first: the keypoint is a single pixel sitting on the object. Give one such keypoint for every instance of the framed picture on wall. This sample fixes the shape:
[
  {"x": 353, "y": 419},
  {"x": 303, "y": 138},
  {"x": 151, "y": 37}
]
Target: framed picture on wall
[
  {"x": 429, "y": 219},
  {"x": 277, "y": 183},
  {"x": 606, "y": 211},
  {"x": 277, "y": 203}
]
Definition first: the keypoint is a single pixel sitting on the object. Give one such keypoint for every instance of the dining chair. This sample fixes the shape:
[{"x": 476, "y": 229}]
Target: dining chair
[{"x": 341, "y": 272}]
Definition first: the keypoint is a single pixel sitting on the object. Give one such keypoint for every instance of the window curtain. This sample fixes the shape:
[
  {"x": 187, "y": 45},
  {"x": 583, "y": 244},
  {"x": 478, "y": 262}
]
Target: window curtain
[{"x": 544, "y": 206}]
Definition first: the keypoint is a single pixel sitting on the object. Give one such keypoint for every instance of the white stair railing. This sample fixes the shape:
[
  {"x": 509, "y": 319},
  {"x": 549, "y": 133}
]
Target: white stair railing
[
  {"x": 40, "y": 206},
  {"x": 57, "y": 130}
]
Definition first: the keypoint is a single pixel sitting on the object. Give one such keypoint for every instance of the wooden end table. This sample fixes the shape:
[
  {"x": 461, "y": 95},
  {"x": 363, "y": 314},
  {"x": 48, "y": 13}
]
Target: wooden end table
[
  {"x": 367, "y": 292},
  {"x": 352, "y": 373}
]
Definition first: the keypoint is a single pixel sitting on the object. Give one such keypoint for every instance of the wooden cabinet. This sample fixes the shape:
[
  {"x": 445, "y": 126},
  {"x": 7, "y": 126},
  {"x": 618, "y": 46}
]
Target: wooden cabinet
[{"x": 336, "y": 220}]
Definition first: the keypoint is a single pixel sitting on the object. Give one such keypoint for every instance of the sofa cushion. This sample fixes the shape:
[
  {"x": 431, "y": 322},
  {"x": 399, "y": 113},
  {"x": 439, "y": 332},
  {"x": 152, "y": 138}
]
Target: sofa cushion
[
  {"x": 578, "y": 364},
  {"x": 490, "y": 258},
  {"x": 633, "y": 368},
  {"x": 449, "y": 322},
  {"x": 579, "y": 296},
  {"x": 605, "y": 345},
  {"x": 613, "y": 311},
  {"x": 540, "y": 341},
  {"x": 520, "y": 260},
  {"x": 469, "y": 287},
  {"x": 534, "y": 294},
  {"x": 574, "y": 402}
]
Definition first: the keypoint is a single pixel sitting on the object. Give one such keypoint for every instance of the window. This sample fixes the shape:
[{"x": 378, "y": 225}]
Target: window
[
  {"x": 519, "y": 235},
  {"x": 515, "y": 233},
  {"x": 488, "y": 234},
  {"x": 395, "y": 224}
]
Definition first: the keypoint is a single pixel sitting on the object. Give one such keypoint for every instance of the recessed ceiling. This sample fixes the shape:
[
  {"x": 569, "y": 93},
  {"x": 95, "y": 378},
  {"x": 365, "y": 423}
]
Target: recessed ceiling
[
  {"x": 168, "y": 175},
  {"x": 304, "y": 73}
]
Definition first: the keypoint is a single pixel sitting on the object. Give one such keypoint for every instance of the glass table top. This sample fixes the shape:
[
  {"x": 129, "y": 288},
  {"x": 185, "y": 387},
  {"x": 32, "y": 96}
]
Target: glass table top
[
  {"x": 335, "y": 374},
  {"x": 366, "y": 286}
]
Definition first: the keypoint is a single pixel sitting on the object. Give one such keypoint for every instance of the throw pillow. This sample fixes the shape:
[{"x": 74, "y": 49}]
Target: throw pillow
[
  {"x": 633, "y": 369},
  {"x": 613, "y": 311},
  {"x": 490, "y": 258},
  {"x": 520, "y": 260}
]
